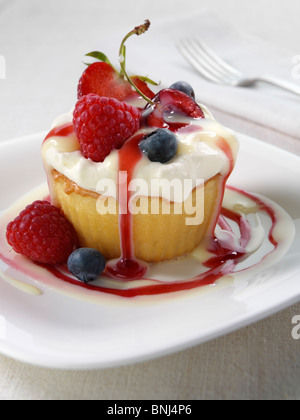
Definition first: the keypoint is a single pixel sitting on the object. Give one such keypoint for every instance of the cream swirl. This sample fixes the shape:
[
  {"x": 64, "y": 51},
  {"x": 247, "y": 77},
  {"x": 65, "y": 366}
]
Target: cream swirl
[{"x": 199, "y": 158}]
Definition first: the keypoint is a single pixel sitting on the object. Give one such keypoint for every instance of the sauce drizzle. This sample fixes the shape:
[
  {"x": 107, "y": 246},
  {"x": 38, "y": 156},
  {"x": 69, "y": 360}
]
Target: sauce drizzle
[{"x": 224, "y": 252}]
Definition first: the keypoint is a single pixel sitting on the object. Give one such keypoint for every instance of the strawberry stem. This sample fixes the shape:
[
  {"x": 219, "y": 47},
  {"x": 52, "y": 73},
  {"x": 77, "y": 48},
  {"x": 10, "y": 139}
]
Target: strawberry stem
[{"x": 138, "y": 30}]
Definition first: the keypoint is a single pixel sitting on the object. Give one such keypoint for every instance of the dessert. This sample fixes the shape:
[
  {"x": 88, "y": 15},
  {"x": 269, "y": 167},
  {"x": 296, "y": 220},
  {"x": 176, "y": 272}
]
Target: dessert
[
  {"x": 157, "y": 146},
  {"x": 75, "y": 186},
  {"x": 137, "y": 178}
]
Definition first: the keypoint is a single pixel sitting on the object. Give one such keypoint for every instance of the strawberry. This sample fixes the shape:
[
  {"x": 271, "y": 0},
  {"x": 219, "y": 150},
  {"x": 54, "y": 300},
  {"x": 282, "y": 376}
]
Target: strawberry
[
  {"x": 103, "y": 79},
  {"x": 168, "y": 102}
]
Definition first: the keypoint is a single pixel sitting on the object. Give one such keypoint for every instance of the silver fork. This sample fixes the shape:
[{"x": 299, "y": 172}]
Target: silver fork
[{"x": 216, "y": 70}]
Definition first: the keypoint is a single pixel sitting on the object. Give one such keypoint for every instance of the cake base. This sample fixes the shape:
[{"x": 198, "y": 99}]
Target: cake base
[{"x": 156, "y": 237}]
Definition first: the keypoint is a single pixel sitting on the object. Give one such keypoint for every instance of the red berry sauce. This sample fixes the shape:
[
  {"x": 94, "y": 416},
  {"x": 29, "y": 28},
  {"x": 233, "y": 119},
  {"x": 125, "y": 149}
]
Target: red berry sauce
[{"x": 223, "y": 260}]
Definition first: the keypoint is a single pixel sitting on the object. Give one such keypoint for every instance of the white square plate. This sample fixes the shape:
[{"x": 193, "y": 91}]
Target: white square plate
[{"x": 55, "y": 330}]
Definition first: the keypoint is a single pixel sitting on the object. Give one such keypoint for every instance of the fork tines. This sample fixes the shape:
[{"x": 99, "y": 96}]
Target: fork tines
[{"x": 206, "y": 62}]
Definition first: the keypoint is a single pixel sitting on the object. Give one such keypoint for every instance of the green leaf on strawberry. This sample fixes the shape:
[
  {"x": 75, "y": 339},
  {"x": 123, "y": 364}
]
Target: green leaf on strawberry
[{"x": 101, "y": 57}]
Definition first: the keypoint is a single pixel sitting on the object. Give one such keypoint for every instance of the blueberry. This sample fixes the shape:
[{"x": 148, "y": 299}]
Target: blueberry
[
  {"x": 87, "y": 264},
  {"x": 160, "y": 145},
  {"x": 184, "y": 87}
]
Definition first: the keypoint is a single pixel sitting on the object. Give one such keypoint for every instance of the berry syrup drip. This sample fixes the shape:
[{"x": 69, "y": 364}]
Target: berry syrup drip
[
  {"x": 62, "y": 130},
  {"x": 127, "y": 267},
  {"x": 229, "y": 251}
]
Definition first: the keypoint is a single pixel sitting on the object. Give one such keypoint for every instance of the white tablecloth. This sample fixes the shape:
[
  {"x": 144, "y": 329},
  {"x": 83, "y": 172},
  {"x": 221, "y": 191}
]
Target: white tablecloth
[{"x": 43, "y": 44}]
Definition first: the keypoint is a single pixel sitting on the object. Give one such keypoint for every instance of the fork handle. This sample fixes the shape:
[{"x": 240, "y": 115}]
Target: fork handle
[{"x": 290, "y": 87}]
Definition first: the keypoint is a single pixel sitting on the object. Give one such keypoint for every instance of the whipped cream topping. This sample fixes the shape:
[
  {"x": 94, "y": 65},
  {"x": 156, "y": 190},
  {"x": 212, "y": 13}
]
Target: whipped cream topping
[{"x": 198, "y": 159}]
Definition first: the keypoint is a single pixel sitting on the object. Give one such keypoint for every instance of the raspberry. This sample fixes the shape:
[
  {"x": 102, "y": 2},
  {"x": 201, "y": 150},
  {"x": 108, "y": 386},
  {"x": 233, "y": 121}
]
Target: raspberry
[
  {"x": 103, "y": 124},
  {"x": 42, "y": 233}
]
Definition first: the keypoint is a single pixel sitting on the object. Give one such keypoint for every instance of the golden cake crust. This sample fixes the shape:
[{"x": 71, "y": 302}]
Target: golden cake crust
[{"x": 156, "y": 237}]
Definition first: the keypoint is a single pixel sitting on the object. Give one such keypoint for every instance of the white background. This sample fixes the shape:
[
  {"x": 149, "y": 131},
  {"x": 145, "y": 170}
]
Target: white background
[{"x": 44, "y": 43}]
